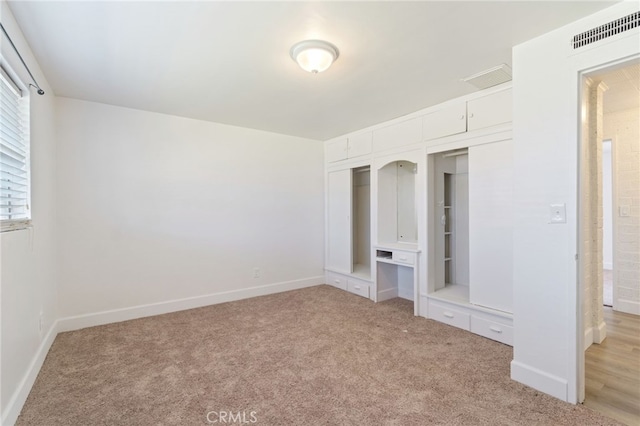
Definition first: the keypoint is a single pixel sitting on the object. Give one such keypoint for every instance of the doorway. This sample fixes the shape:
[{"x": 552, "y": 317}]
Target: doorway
[{"x": 610, "y": 242}]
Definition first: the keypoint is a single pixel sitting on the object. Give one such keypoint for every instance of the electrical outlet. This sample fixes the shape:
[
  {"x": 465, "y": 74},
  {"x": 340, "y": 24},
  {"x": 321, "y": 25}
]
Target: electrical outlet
[{"x": 256, "y": 272}]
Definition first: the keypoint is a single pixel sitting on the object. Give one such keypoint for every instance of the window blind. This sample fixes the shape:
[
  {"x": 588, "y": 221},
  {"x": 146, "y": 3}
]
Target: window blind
[{"x": 14, "y": 156}]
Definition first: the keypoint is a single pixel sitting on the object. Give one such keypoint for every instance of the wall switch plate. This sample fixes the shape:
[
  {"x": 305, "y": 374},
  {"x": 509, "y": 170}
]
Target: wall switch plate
[
  {"x": 625, "y": 211},
  {"x": 256, "y": 272},
  {"x": 558, "y": 213}
]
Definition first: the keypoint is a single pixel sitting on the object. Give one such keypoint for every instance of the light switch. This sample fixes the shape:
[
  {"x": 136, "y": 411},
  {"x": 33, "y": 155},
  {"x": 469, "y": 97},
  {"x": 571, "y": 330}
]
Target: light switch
[
  {"x": 558, "y": 213},
  {"x": 625, "y": 211}
]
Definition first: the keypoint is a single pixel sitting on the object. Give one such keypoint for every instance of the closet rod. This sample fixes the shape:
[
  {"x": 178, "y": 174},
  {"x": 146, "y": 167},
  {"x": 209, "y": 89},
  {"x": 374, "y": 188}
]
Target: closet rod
[
  {"x": 362, "y": 170},
  {"x": 35, "y": 83},
  {"x": 455, "y": 154}
]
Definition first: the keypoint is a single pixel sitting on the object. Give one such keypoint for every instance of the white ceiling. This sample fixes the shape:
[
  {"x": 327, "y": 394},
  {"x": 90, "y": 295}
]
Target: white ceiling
[{"x": 229, "y": 62}]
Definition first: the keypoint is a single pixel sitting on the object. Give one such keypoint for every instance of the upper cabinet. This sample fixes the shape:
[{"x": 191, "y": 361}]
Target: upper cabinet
[
  {"x": 345, "y": 148},
  {"x": 404, "y": 133},
  {"x": 489, "y": 110},
  {"x": 475, "y": 114},
  {"x": 447, "y": 121}
]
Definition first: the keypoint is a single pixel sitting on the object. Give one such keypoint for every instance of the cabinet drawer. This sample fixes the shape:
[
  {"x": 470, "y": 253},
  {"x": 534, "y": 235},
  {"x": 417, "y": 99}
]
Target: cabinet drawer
[
  {"x": 361, "y": 288},
  {"x": 492, "y": 330},
  {"x": 338, "y": 281},
  {"x": 404, "y": 257},
  {"x": 449, "y": 316}
]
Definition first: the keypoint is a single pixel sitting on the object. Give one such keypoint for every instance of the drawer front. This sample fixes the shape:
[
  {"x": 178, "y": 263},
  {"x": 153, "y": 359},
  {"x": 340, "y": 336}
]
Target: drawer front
[
  {"x": 338, "y": 281},
  {"x": 404, "y": 257},
  {"x": 492, "y": 330},
  {"x": 449, "y": 316},
  {"x": 361, "y": 288}
]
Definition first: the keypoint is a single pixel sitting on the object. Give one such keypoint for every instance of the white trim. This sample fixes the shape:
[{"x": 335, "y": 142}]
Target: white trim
[
  {"x": 628, "y": 306},
  {"x": 19, "y": 397},
  {"x": 141, "y": 311},
  {"x": 588, "y": 338},
  {"x": 540, "y": 380},
  {"x": 599, "y": 332}
]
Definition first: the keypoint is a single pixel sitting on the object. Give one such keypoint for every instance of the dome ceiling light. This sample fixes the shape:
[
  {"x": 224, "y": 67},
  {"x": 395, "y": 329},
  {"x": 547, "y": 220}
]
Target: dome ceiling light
[{"x": 314, "y": 56}]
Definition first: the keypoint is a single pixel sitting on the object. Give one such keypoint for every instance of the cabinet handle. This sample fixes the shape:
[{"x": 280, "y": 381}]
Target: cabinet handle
[
  {"x": 448, "y": 314},
  {"x": 495, "y": 329},
  {"x": 357, "y": 287},
  {"x": 471, "y": 115},
  {"x": 336, "y": 281},
  {"x": 402, "y": 258},
  {"x": 462, "y": 117}
]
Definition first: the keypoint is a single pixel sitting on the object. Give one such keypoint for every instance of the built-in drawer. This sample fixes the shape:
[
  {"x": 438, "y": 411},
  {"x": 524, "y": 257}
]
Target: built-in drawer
[
  {"x": 403, "y": 257},
  {"x": 359, "y": 287},
  {"x": 492, "y": 330},
  {"x": 336, "y": 280},
  {"x": 449, "y": 316}
]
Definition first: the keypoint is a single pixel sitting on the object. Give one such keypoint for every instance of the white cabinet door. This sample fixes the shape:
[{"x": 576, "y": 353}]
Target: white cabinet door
[
  {"x": 490, "y": 110},
  {"x": 339, "y": 221},
  {"x": 337, "y": 150},
  {"x": 360, "y": 144},
  {"x": 491, "y": 225},
  {"x": 447, "y": 121},
  {"x": 403, "y": 133}
]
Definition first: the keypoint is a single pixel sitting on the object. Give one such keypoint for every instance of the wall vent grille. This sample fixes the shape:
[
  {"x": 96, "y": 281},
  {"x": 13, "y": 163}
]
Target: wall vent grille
[{"x": 607, "y": 30}]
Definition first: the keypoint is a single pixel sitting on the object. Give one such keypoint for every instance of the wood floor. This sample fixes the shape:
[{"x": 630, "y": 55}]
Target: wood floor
[{"x": 612, "y": 369}]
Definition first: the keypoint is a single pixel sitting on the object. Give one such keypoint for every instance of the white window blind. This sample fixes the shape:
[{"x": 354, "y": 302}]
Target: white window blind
[{"x": 14, "y": 156}]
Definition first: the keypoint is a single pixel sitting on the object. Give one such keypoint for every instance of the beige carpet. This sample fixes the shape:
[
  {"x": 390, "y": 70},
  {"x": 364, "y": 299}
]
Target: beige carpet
[{"x": 318, "y": 356}]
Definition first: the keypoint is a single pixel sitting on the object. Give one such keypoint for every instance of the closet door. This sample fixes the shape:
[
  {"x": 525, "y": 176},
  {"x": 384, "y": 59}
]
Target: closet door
[
  {"x": 339, "y": 221},
  {"x": 491, "y": 225}
]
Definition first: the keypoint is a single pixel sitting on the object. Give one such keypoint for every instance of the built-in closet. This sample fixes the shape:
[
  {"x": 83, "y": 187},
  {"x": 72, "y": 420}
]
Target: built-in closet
[{"x": 420, "y": 208}]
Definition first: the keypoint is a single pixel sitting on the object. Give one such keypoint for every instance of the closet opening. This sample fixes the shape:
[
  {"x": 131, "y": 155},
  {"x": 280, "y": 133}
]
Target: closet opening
[
  {"x": 450, "y": 215},
  {"x": 361, "y": 221}
]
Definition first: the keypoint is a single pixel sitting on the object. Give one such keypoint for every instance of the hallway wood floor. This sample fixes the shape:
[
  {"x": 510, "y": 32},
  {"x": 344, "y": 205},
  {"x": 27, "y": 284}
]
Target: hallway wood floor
[{"x": 612, "y": 369}]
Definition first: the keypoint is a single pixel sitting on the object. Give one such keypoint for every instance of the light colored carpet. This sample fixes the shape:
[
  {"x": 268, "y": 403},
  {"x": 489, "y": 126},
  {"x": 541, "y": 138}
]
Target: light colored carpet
[{"x": 317, "y": 356}]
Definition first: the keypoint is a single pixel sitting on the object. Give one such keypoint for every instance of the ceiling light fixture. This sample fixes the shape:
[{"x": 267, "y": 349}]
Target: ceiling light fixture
[{"x": 314, "y": 56}]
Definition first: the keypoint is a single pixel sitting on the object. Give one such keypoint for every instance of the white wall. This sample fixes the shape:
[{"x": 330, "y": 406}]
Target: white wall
[
  {"x": 157, "y": 208},
  {"x": 27, "y": 264},
  {"x": 546, "y": 297}
]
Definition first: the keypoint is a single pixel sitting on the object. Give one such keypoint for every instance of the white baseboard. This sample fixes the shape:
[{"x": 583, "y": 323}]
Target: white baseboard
[
  {"x": 540, "y": 380},
  {"x": 588, "y": 338},
  {"x": 18, "y": 399},
  {"x": 600, "y": 332},
  {"x": 387, "y": 294},
  {"x": 141, "y": 311},
  {"x": 628, "y": 306},
  {"x": 10, "y": 415}
]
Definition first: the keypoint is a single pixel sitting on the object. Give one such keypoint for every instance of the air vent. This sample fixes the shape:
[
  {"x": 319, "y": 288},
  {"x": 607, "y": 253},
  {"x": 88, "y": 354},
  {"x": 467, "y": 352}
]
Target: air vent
[
  {"x": 491, "y": 77},
  {"x": 607, "y": 30}
]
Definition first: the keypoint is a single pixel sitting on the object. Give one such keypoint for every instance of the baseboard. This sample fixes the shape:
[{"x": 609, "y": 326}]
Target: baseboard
[
  {"x": 141, "y": 311},
  {"x": 10, "y": 416},
  {"x": 588, "y": 338},
  {"x": 540, "y": 380},
  {"x": 628, "y": 306},
  {"x": 600, "y": 333},
  {"x": 387, "y": 294}
]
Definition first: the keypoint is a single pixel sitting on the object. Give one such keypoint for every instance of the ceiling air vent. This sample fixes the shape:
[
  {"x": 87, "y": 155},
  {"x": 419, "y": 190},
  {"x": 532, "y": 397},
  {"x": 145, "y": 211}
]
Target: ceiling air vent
[
  {"x": 607, "y": 30},
  {"x": 491, "y": 77}
]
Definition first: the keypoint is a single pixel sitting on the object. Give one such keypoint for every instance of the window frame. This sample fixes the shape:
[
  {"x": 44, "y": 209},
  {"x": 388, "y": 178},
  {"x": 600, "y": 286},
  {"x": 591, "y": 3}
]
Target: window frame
[{"x": 24, "y": 111}]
